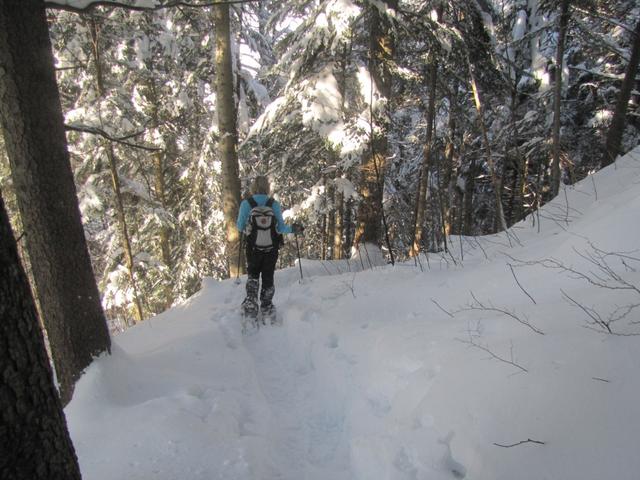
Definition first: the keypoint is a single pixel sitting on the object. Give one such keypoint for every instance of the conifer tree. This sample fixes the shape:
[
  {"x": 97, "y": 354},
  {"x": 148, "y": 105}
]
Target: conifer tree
[
  {"x": 34, "y": 136},
  {"x": 226, "y": 111},
  {"x": 34, "y": 440},
  {"x": 614, "y": 136},
  {"x": 371, "y": 183}
]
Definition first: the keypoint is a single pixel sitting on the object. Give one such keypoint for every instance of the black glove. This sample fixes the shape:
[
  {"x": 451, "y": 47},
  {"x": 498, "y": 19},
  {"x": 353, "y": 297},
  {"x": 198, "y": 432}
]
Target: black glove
[{"x": 297, "y": 228}]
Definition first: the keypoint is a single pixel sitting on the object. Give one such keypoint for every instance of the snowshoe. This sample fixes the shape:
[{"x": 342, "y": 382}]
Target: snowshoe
[
  {"x": 269, "y": 315},
  {"x": 249, "y": 316}
]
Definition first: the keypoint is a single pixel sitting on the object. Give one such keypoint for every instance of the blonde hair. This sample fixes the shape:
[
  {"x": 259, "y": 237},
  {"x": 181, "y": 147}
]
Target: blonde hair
[{"x": 260, "y": 184}]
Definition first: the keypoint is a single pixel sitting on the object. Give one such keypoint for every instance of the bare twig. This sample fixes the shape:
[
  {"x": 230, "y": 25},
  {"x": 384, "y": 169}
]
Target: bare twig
[
  {"x": 441, "y": 308},
  {"x": 325, "y": 268},
  {"x": 521, "y": 287},
  {"x": 591, "y": 313},
  {"x": 606, "y": 278},
  {"x": 419, "y": 262},
  {"x": 566, "y": 200},
  {"x": 470, "y": 342},
  {"x": 601, "y": 379},
  {"x": 528, "y": 440},
  {"x": 621, "y": 312},
  {"x": 352, "y": 286},
  {"x": 478, "y": 305},
  {"x": 481, "y": 248}
]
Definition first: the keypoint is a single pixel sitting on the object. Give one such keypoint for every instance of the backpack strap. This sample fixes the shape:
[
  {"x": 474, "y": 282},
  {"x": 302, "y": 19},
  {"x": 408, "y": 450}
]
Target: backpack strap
[
  {"x": 269, "y": 202},
  {"x": 252, "y": 202}
]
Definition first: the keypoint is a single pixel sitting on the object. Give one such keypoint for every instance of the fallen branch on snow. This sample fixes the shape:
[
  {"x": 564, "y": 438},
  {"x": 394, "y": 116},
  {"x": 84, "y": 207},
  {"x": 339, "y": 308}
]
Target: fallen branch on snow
[{"x": 528, "y": 440}]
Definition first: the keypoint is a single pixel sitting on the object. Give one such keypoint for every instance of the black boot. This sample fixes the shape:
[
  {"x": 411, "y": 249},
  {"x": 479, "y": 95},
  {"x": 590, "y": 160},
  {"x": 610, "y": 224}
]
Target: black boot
[
  {"x": 267, "y": 308},
  {"x": 250, "y": 303}
]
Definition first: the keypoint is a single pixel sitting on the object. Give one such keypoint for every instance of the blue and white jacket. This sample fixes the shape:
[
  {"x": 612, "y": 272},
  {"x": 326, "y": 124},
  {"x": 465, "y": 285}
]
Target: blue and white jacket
[{"x": 261, "y": 200}]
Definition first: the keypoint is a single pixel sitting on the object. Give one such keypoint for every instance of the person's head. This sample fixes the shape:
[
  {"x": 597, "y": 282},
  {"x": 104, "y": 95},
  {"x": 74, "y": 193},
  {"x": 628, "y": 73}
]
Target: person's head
[{"x": 260, "y": 184}]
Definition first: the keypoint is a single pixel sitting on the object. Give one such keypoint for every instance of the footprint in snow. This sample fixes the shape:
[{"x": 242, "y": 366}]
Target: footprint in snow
[
  {"x": 310, "y": 316},
  {"x": 228, "y": 332},
  {"x": 197, "y": 391},
  {"x": 455, "y": 467},
  {"x": 332, "y": 341}
]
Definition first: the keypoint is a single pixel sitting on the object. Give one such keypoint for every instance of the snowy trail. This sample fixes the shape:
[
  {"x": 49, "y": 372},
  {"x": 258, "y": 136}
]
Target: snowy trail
[
  {"x": 305, "y": 433},
  {"x": 369, "y": 378},
  {"x": 284, "y": 392}
]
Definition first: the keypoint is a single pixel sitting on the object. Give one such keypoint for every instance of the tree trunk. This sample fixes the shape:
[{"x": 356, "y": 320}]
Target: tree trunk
[
  {"x": 423, "y": 185},
  {"x": 35, "y": 443},
  {"x": 495, "y": 178},
  {"x": 228, "y": 134},
  {"x": 339, "y": 225},
  {"x": 347, "y": 225},
  {"x": 444, "y": 227},
  {"x": 161, "y": 162},
  {"x": 36, "y": 145},
  {"x": 614, "y": 137},
  {"x": 124, "y": 232},
  {"x": 331, "y": 219},
  {"x": 323, "y": 236},
  {"x": 449, "y": 177},
  {"x": 161, "y": 197},
  {"x": 557, "y": 98},
  {"x": 519, "y": 161},
  {"x": 368, "y": 228},
  {"x": 469, "y": 192},
  {"x": 121, "y": 217}
]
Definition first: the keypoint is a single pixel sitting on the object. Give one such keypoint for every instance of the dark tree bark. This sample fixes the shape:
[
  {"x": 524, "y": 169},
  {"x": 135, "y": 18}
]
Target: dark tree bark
[
  {"x": 614, "y": 137},
  {"x": 228, "y": 134},
  {"x": 500, "y": 222},
  {"x": 449, "y": 175},
  {"x": 338, "y": 231},
  {"x": 469, "y": 193},
  {"x": 557, "y": 97},
  {"x": 347, "y": 227},
  {"x": 423, "y": 184},
  {"x": 34, "y": 440},
  {"x": 36, "y": 145}
]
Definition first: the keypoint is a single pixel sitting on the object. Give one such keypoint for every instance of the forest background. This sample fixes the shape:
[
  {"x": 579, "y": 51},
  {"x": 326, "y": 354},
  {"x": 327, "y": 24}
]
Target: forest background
[{"x": 379, "y": 123}]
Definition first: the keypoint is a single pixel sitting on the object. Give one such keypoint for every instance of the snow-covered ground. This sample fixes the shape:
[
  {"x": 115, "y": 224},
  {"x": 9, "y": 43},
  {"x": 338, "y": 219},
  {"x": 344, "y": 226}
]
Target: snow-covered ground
[{"x": 432, "y": 371}]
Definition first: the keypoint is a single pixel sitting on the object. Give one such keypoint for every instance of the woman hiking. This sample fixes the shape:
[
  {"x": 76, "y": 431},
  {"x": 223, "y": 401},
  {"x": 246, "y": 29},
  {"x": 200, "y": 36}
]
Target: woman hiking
[{"x": 260, "y": 219}]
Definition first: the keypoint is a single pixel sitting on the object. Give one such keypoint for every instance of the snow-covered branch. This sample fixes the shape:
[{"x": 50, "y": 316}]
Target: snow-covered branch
[
  {"x": 122, "y": 140},
  {"x": 83, "y": 6}
]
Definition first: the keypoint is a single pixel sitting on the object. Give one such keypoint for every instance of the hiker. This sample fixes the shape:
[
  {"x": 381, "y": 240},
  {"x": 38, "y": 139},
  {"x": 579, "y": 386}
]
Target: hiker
[{"x": 260, "y": 219}]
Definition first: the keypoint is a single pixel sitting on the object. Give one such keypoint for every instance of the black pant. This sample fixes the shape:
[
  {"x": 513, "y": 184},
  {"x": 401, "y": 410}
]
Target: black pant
[{"x": 262, "y": 264}]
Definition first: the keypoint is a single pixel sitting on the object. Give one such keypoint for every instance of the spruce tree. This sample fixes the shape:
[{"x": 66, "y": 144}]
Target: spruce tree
[
  {"x": 36, "y": 145},
  {"x": 34, "y": 440}
]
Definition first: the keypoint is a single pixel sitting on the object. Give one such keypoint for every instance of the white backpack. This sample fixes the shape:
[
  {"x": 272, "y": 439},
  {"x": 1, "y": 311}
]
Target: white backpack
[{"x": 261, "y": 227}]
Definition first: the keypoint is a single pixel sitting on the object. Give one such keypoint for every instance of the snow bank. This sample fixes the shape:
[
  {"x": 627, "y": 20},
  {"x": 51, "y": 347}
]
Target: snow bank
[{"x": 478, "y": 367}]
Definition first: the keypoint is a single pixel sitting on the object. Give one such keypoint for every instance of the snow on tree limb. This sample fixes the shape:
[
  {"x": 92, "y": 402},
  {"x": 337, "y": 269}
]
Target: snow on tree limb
[{"x": 82, "y": 6}]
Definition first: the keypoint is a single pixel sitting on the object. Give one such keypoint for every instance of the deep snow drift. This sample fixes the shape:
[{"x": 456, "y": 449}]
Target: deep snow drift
[{"x": 432, "y": 371}]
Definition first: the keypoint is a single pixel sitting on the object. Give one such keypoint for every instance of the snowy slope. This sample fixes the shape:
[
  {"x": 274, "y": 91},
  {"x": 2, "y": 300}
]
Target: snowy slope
[{"x": 406, "y": 372}]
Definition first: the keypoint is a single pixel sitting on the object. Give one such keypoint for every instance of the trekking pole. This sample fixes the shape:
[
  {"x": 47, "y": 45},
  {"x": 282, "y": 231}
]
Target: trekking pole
[
  {"x": 298, "y": 250},
  {"x": 239, "y": 258}
]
